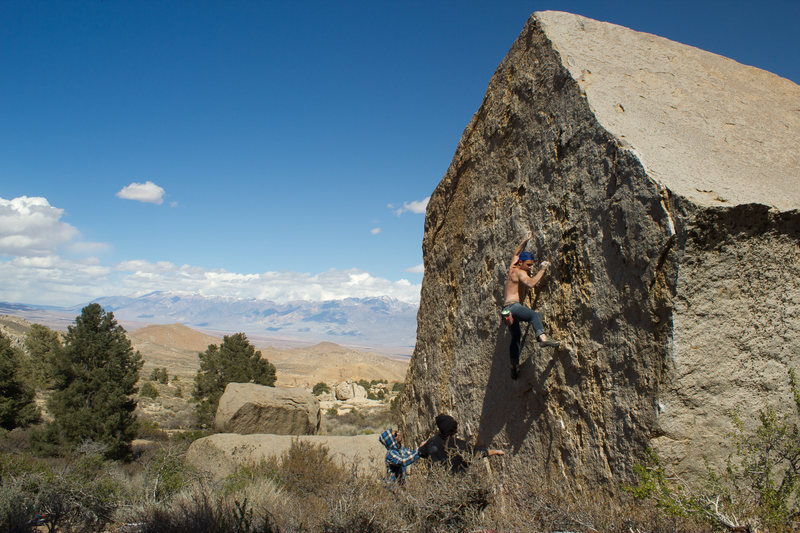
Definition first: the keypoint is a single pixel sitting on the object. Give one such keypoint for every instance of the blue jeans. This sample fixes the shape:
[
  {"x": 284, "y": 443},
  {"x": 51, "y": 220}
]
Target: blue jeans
[{"x": 522, "y": 314}]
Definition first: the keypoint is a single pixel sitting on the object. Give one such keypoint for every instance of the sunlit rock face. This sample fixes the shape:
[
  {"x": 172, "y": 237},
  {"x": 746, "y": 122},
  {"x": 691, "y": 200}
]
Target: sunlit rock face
[{"x": 662, "y": 183}]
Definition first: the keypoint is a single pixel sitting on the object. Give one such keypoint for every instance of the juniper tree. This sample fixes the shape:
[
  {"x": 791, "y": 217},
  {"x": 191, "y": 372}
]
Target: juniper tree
[
  {"x": 94, "y": 377},
  {"x": 234, "y": 361},
  {"x": 17, "y": 407}
]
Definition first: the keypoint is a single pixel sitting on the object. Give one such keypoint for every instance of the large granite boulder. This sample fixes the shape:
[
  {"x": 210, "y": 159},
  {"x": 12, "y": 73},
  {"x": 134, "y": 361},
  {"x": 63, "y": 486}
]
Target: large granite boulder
[
  {"x": 249, "y": 408},
  {"x": 220, "y": 454},
  {"x": 662, "y": 182}
]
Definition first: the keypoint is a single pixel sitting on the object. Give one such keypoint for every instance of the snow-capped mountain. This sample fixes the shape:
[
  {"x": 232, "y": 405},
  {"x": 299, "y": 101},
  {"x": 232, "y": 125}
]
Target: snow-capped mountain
[{"x": 371, "y": 321}]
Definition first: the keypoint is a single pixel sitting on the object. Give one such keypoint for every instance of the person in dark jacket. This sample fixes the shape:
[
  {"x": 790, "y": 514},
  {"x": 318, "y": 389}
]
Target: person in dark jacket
[
  {"x": 398, "y": 458},
  {"x": 445, "y": 448}
]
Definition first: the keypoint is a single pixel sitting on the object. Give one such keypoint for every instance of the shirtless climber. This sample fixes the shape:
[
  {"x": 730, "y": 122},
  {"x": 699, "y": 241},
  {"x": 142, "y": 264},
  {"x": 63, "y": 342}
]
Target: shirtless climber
[{"x": 517, "y": 284}]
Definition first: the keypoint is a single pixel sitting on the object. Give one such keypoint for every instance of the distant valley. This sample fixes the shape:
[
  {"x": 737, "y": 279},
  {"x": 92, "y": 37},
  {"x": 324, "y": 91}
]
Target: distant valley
[
  {"x": 382, "y": 325},
  {"x": 176, "y": 348}
]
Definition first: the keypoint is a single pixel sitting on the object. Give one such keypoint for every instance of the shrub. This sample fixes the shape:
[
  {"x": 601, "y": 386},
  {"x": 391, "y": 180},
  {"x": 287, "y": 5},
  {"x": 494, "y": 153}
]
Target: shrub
[
  {"x": 80, "y": 496},
  {"x": 150, "y": 430},
  {"x": 17, "y": 510},
  {"x": 167, "y": 473},
  {"x": 246, "y": 475},
  {"x": 380, "y": 395},
  {"x": 190, "y": 435},
  {"x": 160, "y": 375},
  {"x": 398, "y": 387},
  {"x": 148, "y": 390},
  {"x": 760, "y": 484},
  {"x": 307, "y": 468},
  {"x": 360, "y": 423},
  {"x": 320, "y": 388},
  {"x": 202, "y": 512}
]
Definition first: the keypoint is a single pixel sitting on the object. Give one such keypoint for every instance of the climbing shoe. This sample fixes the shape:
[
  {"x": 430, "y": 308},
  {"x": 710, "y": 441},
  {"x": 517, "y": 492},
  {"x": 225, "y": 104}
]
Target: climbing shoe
[
  {"x": 550, "y": 344},
  {"x": 508, "y": 318},
  {"x": 514, "y": 371}
]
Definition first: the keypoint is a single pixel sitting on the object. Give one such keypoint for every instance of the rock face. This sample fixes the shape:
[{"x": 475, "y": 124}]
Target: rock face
[
  {"x": 249, "y": 408},
  {"x": 220, "y": 454},
  {"x": 662, "y": 182}
]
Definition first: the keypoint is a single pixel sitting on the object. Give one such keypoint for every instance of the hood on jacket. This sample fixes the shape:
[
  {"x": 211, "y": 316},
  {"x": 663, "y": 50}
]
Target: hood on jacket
[{"x": 388, "y": 439}]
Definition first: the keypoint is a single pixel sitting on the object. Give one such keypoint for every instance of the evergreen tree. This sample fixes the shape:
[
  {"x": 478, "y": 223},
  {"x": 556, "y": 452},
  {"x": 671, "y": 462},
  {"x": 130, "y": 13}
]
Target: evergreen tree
[
  {"x": 42, "y": 344},
  {"x": 94, "y": 377},
  {"x": 234, "y": 361},
  {"x": 17, "y": 408}
]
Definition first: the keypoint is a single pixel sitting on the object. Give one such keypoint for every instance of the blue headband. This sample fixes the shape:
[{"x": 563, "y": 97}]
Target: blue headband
[{"x": 525, "y": 256}]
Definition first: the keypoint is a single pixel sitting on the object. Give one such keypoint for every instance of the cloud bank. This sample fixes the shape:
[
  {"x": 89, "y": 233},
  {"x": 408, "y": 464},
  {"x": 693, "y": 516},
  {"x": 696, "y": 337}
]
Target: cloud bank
[
  {"x": 31, "y": 233},
  {"x": 53, "y": 280},
  {"x": 147, "y": 192},
  {"x": 31, "y": 227}
]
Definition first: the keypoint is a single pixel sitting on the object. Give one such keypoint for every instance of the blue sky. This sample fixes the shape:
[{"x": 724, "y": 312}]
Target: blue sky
[{"x": 275, "y": 150}]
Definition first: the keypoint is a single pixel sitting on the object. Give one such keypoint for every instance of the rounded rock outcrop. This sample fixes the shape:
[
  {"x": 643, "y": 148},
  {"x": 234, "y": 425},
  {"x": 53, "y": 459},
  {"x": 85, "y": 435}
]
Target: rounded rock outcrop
[{"x": 247, "y": 408}]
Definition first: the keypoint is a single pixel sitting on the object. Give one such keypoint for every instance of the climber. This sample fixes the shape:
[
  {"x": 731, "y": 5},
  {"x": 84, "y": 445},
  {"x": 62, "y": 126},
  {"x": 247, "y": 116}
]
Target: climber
[
  {"x": 517, "y": 284},
  {"x": 447, "y": 449},
  {"x": 398, "y": 458}
]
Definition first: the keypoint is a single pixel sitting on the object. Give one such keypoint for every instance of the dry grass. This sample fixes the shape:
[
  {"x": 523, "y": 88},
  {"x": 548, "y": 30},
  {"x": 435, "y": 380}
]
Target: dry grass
[
  {"x": 305, "y": 489},
  {"x": 360, "y": 422}
]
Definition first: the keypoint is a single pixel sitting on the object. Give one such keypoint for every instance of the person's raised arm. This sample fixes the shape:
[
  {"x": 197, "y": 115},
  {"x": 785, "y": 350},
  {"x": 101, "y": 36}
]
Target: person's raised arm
[
  {"x": 532, "y": 281},
  {"x": 520, "y": 248}
]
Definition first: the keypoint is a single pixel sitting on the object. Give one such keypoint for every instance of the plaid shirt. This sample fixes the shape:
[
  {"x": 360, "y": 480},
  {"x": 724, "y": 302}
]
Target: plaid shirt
[{"x": 398, "y": 458}]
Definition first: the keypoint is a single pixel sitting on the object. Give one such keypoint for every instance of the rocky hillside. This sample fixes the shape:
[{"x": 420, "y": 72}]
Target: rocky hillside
[
  {"x": 173, "y": 346},
  {"x": 14, "y": 329},
  {"x": 177, "y": 346},
  {"x": 331, "y": 363},
  {"x": 662, "y": 183}
]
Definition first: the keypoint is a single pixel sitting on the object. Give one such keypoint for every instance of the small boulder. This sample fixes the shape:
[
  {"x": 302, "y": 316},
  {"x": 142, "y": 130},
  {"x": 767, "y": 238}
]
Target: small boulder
[
  {"x": 247, "y": 408},
  {"x": 348, "y": 390},
  {"x": 220, "y": 454}
]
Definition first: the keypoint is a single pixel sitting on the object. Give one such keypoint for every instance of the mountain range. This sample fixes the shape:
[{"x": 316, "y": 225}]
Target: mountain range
[{"x": 382, "y": 324}]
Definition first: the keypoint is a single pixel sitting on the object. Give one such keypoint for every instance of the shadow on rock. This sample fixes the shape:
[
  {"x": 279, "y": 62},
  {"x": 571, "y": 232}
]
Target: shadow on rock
[{"x": 515, "y": 405}]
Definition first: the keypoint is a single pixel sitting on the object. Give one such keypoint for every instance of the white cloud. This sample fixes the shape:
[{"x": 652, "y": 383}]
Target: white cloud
[
  {"x": 416, "y": 206},
  {"x": 375, "y": 231},
  {"x": 141, "y": 277},
  {"x": 30, "y": 226},
  {"x": 419, "y": 269},
  {"x": 52, "y": 280},
  {"x": 143, "y": 192},
  {"x": 87, "y": 248},
  {"x": 33, "y": 272}
]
